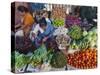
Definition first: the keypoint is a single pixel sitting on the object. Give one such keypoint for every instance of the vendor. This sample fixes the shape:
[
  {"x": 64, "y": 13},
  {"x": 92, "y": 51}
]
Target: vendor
[
  {"x": 44, "y": 32},
  {"x": 27, "y": 20},
  {"x": 48, "y": 29},
  {"x": 47, "y": 16}
]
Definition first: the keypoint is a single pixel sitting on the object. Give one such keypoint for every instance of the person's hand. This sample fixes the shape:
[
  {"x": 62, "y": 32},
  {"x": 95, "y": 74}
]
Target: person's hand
[
  {"x": 17, "y": 26},
  {"x": 45, "y": 39},
  {"x": 33, "y": 34}
]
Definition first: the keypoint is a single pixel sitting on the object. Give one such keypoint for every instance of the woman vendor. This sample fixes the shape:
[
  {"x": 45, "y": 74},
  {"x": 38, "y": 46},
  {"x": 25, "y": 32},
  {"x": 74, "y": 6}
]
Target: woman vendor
[{"x": 27, "y": 20}]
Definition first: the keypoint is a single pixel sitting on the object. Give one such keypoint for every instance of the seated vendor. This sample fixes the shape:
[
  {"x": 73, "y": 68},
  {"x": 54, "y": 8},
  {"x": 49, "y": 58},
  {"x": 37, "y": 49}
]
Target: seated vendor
[
  {"x": 27, "y": 20},
  {"x": 45, "y": 32}
]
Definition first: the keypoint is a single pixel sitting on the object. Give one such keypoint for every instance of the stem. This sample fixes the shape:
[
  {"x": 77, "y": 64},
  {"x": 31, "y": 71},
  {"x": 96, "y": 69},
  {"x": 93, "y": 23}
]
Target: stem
[{"x": 25, "y": 70}]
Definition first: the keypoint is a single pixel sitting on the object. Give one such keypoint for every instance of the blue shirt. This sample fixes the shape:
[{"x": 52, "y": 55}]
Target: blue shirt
[{"x": 48, "y": 32}]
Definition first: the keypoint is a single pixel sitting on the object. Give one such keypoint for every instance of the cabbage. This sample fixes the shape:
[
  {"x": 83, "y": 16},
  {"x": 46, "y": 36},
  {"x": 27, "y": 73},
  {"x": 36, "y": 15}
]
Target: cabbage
[
  {"x": 90, "y": 33},
  {"x": 85, "y": 33}
]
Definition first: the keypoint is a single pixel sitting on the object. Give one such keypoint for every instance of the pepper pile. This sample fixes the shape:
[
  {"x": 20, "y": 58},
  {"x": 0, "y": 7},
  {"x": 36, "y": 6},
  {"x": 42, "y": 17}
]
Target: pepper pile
[{"x": 85, "y": 59}]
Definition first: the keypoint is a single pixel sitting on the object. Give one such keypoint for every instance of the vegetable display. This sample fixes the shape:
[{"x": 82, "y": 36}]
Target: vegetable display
[
  {"x": 76, "y": 39},
  {"x": 75, "y": 32},
  {"x": 39, "y": 56},
  {"x": 85, "y": 25},
  {"x": 89, "y": 40},
  {"x": 58, "y": 22},
  {"x": 58, "y": 60},
  {"x": 72, "y": 20},
  {"x": 63, "y": 41},
  {"x": 21, "y": 60},
  {"x": 60, "y": 30},
  {"x": 73, "y": 45},
  {"x": 73, "y": 36},
  {"x": 84, "y": 44},
  {"x": 85, "y": 59}
]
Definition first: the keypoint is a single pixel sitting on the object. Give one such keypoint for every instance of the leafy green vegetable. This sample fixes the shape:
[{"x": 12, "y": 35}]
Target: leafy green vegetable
[
  {"x": 58, "y": 22},
  {"x": 84, "y": 44},
  {"x": 74, "y": 45},
  {"x": 21, "y": 60},
  {"x": 85, "y": 33},
  {"x": 39, "y": 56},
  {"x": 90, "y": 40},
  {"x": 58, "y": 60},
  {"x": 75, "y": 32}
]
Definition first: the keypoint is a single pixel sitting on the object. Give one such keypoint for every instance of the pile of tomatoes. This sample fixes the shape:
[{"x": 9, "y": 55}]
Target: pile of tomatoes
[{"x": 84, "y": 59}]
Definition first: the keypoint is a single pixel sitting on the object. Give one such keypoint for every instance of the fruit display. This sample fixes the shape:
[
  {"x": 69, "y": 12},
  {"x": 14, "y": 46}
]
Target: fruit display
[
  {"x": 58, "y": 22},
  {"x": 75, "y": 32},
  {"x": 58, "y": 60},
  {"x": 84, "y": 59}
]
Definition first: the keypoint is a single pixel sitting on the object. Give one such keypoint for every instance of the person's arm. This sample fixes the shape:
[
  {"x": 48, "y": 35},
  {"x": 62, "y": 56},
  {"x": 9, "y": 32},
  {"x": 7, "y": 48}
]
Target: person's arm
[
  {"x": 18, "y": 25},
  {"x": 36, "y": 29},
  {"x": 48, "y": 33},
  {"x": 51, "y": 30}
]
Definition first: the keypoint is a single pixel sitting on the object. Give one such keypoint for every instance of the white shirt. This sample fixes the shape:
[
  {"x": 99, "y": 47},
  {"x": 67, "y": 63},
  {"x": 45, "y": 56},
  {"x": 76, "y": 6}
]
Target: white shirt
[{"x": 35, "y": 30}]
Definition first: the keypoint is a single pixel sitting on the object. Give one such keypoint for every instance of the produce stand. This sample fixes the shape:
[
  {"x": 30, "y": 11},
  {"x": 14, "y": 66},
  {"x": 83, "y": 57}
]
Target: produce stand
[{"x": 73, "y": 44}]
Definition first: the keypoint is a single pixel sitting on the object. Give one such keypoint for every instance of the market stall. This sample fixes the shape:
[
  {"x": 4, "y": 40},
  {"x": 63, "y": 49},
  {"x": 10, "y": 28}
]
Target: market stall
[{"x": 72, "y": 45}]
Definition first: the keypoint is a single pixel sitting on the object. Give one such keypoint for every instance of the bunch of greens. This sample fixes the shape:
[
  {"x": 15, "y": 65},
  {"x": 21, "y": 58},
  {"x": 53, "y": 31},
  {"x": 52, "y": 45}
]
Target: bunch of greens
[
  {"x": 74, "y": 44},
  {"x": 58, "y": 60},
  {"x": 39, "y": 56},
  {"x": 58, "y": 22},
  {"x": 21, "y": 60},
  {"x": 75, "y": 32},
  {"x": 89, "y": 39}
]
